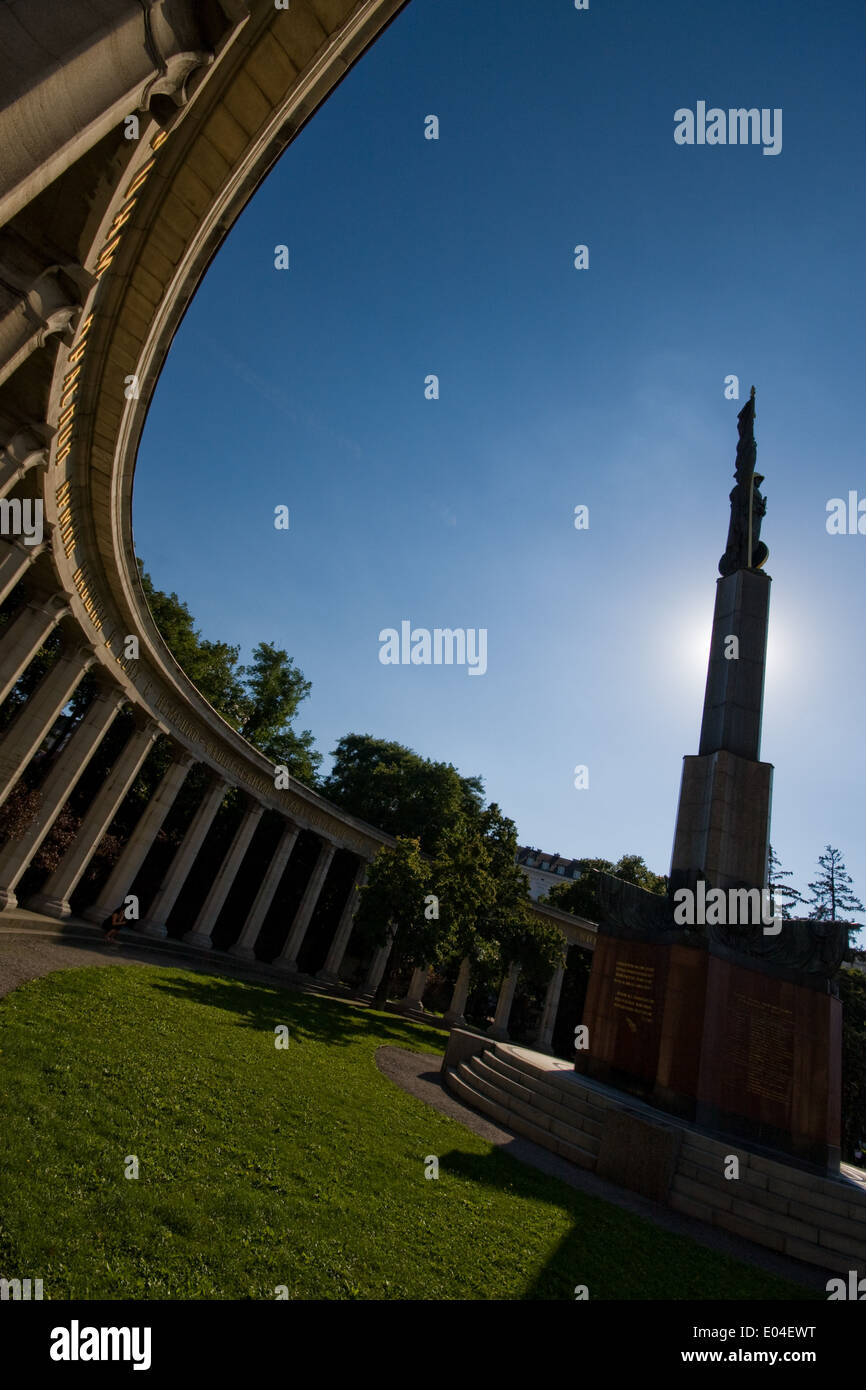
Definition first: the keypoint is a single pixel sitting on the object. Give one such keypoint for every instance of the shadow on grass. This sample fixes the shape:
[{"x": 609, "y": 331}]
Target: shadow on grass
[
  {"x": 311, "y": 1017},
  {"x": 684, "y": 1270}
]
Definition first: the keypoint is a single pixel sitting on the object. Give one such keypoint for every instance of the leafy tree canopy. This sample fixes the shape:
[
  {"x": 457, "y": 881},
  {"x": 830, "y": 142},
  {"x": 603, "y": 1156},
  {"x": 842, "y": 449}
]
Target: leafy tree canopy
[
  {"x": 259, "y": 700},
  {"x": 397, "y": 790},
  {"x": 580, "y": 895},
  {"x": 831, "y": 896}
]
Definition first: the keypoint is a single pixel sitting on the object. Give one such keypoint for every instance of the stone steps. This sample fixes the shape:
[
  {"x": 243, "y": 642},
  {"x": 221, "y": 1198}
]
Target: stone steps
[
  {"x": 797, "y": 1213},
  {"x": 547, "y": 1102},
  {"x": 506, "y": 1109}
]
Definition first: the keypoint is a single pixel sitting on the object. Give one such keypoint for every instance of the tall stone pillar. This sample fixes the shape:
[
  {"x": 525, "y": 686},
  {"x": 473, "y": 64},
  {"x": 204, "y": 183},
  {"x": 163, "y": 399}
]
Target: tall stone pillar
[
  {"x": 499, "y": 1027},
  {"x": 454, "y": 1016},
  {"x": 244, "y": 947},
  {"x": 54, "y": 898},
  {"x": 154, "y": 924},
  {"x": 54, "y": 790},
  {"x": 287, "y": 960},
  {"x": 36, "y": 717},
  {"x": 414, "y": 1000},
  {"x": 25, "y": 636},
  {"x": 135, "y": 850},
  {"x": 200, "y": 933},
  {"x": 544, "y": 1037},
  {"x": 15, "y": 560},
  {"x": 377, "y": 967},
  {"x": 330, "y": 972}
]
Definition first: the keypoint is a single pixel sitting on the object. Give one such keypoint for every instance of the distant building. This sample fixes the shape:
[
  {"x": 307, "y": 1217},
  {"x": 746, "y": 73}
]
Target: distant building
[{"x": 544, "y": 871}]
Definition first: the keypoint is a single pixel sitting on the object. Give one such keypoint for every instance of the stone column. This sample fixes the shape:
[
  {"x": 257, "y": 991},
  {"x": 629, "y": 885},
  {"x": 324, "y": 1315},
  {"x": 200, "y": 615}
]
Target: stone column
[
  {"x": 55, "y": 789},
  {"x": 54, "y": 898},
  {"x": 103, "y": 63},
  {"x": 377, "y": 967},
  {"x": 499, "y": 1027},
  {"x": 287, "y": 960},
  {"x": 38, "y": 714},
  {"x": 330, "y": 971},
  {"x": 23, "y": 450},
  {"x": 50, "y": 303},
  {"x": 167, "y": 894},
  {"x": 454, "y": 1017},
  {"x": 15, "y": 560},
  {"x": 415, "y": 993},
  {"x": 25, "y": 636},
  {"x": 544, "y": 1036},
  {"x": 140, "y": 841},
  {"x": 245, "y": 944},
  {"x": 200, "y": 932}
]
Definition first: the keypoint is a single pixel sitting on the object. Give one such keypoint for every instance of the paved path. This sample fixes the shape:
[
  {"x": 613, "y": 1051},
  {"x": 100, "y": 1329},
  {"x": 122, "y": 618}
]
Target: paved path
[{"x": 32, "y": 946}]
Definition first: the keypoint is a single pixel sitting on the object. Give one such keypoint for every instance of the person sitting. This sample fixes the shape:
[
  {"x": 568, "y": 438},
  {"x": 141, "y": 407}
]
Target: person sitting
[{"x": 112, "y": 924}]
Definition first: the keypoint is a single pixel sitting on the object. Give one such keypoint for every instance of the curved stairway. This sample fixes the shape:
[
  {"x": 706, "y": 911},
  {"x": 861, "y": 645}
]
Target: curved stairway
[{"x": 507, "y": 1087}]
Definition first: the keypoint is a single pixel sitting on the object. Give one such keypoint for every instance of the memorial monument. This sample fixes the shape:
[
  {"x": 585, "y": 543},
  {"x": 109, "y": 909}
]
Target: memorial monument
[{"x": 701, "y": 1002}]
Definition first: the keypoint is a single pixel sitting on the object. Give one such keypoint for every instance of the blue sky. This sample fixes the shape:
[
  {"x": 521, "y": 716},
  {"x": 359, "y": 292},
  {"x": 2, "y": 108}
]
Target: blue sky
[{"x": 605, "y": 386}]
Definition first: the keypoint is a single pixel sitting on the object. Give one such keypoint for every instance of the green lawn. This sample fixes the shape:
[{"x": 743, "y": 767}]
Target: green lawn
[{"x": 261, "y": 1167}]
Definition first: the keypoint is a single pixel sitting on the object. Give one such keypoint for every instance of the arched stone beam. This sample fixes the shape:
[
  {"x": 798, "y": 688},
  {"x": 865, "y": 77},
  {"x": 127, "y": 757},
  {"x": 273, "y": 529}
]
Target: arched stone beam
[{"x": 143, "y": 217}]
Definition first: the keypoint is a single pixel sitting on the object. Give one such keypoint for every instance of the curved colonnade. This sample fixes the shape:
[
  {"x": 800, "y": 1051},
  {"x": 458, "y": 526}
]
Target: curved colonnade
[{"x": 137, "y": 132}]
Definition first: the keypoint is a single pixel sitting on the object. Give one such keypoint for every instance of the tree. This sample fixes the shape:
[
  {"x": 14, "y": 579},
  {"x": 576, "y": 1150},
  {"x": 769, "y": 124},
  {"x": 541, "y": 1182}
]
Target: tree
[
  {"x": 782, "y": 894},
  {"x": 831, "y": 894},
  {"x": 397, "y": 790},
  {"x": 507, "y": 920},
  {"x": 258, "y": 700},
  {"x": 580, "y": 895},
  {"x": 211, "y": 666},
  {"x": 393, "y": 906},
  {"x": 633, "y": 869},
  {"x": 274, "y": 689},
  {"x": 463, "y": 884},
  {"x": 852, "y": 989}
]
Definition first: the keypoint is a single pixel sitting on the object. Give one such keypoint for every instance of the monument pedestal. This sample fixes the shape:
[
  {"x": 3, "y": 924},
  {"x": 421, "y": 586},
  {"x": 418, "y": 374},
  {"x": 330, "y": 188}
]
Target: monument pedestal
[
  {"x": 771, "y": 1062},
  {"x": 744, "y": 1047}
]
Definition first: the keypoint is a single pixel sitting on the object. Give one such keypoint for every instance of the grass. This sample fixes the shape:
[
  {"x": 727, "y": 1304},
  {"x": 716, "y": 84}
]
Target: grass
[{"x": 262, "y": 1167}]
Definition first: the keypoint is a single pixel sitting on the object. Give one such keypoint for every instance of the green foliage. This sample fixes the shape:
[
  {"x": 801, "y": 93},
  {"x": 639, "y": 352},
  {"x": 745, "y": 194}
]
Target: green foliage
[
  {"x": 783, "y": 895},
  {"x": 211, "y": 666},
  {"x": 852, "y": 989},
  {"x": 392, "y": 904},
  {"x": 274, "y": 689},
  {"x": 580, "y": 895},
  {"x": 259, "y": 700},
  {"x": 831, "y": 894},
  {"x": 394, "y": 788}
]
